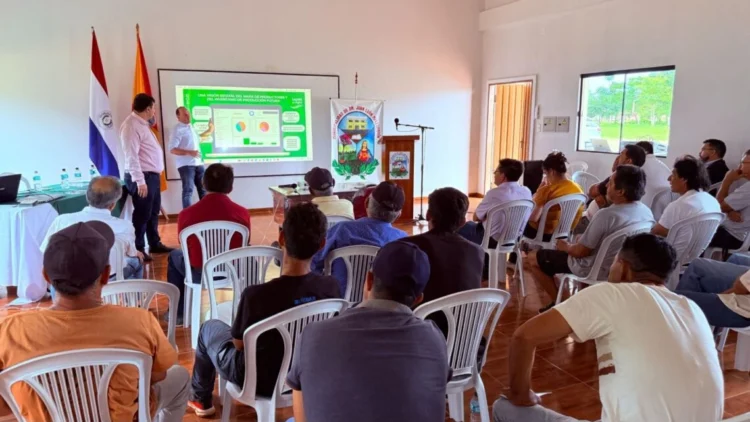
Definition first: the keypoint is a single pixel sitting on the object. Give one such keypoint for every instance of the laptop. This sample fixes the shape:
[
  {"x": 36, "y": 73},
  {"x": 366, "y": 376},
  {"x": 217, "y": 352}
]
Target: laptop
[{"x": 9, "y": 188}]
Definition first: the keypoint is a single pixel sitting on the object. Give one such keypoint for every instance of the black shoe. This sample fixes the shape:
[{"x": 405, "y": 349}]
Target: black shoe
[
  {"x": 160, "y": 248},
  {"x": 547, "y": 308}
]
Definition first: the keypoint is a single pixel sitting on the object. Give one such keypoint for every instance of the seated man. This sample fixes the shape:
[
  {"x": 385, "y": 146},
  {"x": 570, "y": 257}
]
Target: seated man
[
  {"x": 220, "y": 347},
  {"x": 102, "y": 195},
  {"x": 653, "y": 345},
  {"x": 507, "y": 189},
  {"x": 360, "y": 201},
  {"x": 376, "y": 362},
  {"x": 321, "y": 183},
  {"x": 76, "y": 263},
  {"x": 689, "y": 179},
  {"x": 626, "y": 186},
  {"x": 721, "y": 290},
  {"x": 734, "y": 198},
  {"x": 657, "y": 173},
  {"x": 712, "y": 153},
  {"x": 600, "y": 201},
  {"x": 630, "y": 154},
  {"x": 383, "y": 208},
  {"x": 215, "y": 206}
]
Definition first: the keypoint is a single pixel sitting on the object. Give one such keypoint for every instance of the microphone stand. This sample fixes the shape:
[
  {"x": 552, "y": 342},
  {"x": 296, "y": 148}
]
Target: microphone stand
[{"x": 423, "y": 129}]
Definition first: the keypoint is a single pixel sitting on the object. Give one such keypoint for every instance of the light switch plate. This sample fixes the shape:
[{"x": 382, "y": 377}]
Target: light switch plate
[
  {"x": 550, "y": 124},
  {"x": 563, "y": 124}
]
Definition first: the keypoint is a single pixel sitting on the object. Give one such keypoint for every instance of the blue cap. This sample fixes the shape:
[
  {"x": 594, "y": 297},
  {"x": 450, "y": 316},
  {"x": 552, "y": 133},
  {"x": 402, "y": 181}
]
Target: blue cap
[{"x": 402, "y": 264}]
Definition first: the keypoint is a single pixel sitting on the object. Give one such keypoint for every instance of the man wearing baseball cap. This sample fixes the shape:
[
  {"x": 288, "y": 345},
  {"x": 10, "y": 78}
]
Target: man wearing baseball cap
[
  {"x": 375, "y": 362},
  {"x": 321, "y": 183},
  {"x": 383, "y": 208},
  {"x": 76, "y": 263}
]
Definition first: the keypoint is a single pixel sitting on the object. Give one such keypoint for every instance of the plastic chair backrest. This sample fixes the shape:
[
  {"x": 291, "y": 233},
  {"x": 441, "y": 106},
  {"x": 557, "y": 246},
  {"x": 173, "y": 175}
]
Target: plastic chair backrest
[
  {"x": 468, "y": 314},
  {"x": 289, "y": 325},
  {"x": 74, "y": 385},
  {"x": 585, "y": 180},
  {"x": 139, "y": 294},
  {"x": 576, "y": 166},
  {"x": 714, "y": 188},
  {"x": 214, "y": 237},
  {"x": 613, "y": 242},
  {"x": 335, "y": 219},
  {"x": 358, "y": 260},
  {"x": 512, "y": 217},
  {"x": 243, "y": 267},
  {"x": 661, "y": 199},
  {"x": 569, "y": 206},
  {"x": 699, "y": 231}
]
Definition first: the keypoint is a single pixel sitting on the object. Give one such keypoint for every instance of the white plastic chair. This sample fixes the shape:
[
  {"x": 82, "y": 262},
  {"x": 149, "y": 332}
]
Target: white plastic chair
[
  {"x": 513, "y": 217},
  {"x": 117, "y": 259},
  {"x": 139, "y": 294},
  {"x": 585, "y": 180},
  {"x": 739, "y": 418},
  {"x": 335, "y": 219},
  {"x": 661, "y": 199},
  {"x": 744, "y": 249},
  {"x": 214, "y": 238},
  {"x": 358, "y": 260},
  {"x": 691, "y": 237},
  {"x": 576, "y": 166},
  {"x": 74, "y": 385},
  {"x": 569, "y": 206},
  {"x": 611, "y": 243},
  {"x": 468, "y": 314},
  {"x": 289, "y": 325},
  {"x": 243, "y": 267},
  {"x": 742, "y": 348},
  {"x": 715, "y": 187}
]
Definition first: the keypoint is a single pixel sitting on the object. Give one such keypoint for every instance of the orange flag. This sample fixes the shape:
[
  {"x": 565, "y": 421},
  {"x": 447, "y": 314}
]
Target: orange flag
[{"x": 141, "y": 84}]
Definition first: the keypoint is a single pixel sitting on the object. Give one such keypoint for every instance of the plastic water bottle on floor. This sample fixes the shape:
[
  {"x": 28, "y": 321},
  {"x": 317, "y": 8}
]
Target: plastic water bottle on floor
[
  {"x": 77, "y": 178},
  {"x": 475, "y": 415},
  {"x": 37, "y": 179},
  {"x": 92, "y": 172},
  {"x": 64, "y": 179}
]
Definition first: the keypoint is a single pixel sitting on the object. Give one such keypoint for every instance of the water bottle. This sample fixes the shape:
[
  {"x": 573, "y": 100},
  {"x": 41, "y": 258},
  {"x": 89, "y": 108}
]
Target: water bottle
[
  {"x": 64, "y": 179},
  {"x": 77, "y": 178},
  {"x": 475, "y": 415},
  {"x": 37, "y": 179},
  {"x": 92, "y": 172}
]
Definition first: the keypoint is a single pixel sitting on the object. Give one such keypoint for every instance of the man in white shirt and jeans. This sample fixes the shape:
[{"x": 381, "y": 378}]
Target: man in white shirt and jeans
[
  {"x": 184, "y": 145},
  {"x": 657, "y": 357},
  {"x": 102, "y": 195}
]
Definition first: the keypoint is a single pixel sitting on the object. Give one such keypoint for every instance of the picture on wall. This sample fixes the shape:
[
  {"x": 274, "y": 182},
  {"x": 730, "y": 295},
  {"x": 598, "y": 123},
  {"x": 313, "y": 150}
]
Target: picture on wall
[{"x": 398, "y": 165}]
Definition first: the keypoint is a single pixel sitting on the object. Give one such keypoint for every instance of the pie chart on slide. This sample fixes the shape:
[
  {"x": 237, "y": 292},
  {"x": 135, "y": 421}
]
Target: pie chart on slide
[
  {"x": 240, "y": 126},
  {"x": 264, "y": 127}
]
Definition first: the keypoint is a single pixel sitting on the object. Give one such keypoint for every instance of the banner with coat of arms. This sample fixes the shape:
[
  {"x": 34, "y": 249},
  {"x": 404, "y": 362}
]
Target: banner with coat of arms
[{"x": 357, "y": 130}]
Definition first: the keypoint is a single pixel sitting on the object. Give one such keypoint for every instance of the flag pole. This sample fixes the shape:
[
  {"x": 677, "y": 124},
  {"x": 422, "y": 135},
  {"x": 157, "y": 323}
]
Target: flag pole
[{"x": 356, "y": 85}]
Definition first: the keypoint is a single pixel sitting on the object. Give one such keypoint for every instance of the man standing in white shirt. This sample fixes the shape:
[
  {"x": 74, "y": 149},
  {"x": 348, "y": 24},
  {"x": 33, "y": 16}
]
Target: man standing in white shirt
[
  {"x": 184, "y": 144},
  {"x": 652, "y": 346},
  {"x": 689, "y": 179},
  {"x": 102, "y": 196},
  {"x": 143, "y": 167},
  {"x": 656, "y": 171}
]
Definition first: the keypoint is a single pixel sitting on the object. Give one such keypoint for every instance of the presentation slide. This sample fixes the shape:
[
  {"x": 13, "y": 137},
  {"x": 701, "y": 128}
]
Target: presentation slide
[{"x": 251, "y": 125}]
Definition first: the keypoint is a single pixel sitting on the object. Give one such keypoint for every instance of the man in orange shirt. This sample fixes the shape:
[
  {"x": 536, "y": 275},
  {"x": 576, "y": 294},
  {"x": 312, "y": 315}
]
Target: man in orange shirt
[{"x": 76, "y": 263}]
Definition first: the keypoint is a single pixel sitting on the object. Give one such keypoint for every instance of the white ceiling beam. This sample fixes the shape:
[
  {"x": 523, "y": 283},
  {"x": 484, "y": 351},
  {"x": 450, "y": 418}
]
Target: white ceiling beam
[{"x": 529, "y": 10}]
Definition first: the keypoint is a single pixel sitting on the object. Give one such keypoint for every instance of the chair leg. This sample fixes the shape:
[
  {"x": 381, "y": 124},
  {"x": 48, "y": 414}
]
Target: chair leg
[
  {"x": 265, "y": 411},
  {"x": 484, "y": 411},
  {"x": 502, "y": 270},
  {"x": 519, "y": 271},
  {"x": 196, "y": 318},
  {"x": 187, "y": 306},
  {"x": 222, "y": 387},
  {"x": 493, "y": 283},
  {"x": 456, "y": 406},
  {"x": 226, "y": 405},
  {"x": 560, "y": 290},
  {"x": 723, "y": 339}
]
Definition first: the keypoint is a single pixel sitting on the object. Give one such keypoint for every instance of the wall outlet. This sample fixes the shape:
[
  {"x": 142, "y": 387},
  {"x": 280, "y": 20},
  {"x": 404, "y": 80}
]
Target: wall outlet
[
  {"x": 550, "y": 124},
  {"x": 563, "y": 124}
]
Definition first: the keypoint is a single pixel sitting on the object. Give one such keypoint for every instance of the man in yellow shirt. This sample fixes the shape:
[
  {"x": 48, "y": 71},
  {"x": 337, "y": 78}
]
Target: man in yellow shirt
[{"x": 76, "y": 263}]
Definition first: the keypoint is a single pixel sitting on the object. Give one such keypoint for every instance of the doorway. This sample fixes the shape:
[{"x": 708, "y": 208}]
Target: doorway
[{"x": 509, "y": 122}]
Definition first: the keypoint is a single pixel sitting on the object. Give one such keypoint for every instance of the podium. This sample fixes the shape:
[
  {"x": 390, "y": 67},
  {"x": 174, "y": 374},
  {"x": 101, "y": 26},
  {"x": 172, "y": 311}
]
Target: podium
[{"x": 398, "y": 167}]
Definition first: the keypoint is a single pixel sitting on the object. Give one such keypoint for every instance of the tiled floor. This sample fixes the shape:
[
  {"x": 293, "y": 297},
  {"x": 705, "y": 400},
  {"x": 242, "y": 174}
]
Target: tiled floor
[{"x": 565, "y": 370}]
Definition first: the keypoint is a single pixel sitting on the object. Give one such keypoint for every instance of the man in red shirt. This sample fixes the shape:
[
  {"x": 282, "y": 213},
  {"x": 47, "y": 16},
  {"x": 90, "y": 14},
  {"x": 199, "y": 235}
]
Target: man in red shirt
[{"x": 215, "y": 206}]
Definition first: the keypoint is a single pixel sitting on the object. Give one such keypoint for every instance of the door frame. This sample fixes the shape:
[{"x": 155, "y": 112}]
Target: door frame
[{"x": 485, "y": 181}]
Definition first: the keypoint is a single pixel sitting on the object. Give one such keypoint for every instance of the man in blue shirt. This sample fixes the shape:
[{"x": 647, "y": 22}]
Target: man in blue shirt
[
  {"x": 383, "y": 208},
  {"x": 184, "y": 144}
]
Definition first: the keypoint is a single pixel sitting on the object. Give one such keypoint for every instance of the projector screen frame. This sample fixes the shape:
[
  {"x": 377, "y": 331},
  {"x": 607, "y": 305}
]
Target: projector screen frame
[{"x": 161, "y": 109}]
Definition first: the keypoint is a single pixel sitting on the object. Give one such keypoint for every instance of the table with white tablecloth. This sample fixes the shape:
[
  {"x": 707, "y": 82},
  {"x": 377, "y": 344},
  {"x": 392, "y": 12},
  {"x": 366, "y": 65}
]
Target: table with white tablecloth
[{"x": 22, "y": 230}]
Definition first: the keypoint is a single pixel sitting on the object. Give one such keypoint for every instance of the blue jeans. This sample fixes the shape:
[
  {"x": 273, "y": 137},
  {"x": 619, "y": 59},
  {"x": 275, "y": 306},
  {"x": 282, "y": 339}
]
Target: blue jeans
[
  {"x": 176, "y": 276},
  {"x": 191, "y": 175},
  {"x": 473, "y": 232},
  {"x": 705, "y": 279}
]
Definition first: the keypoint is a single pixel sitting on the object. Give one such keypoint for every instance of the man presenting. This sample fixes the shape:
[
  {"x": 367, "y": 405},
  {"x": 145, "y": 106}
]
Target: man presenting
[
  {"x": 183, "y": 143},
  {"x": 143, "y": 166}
]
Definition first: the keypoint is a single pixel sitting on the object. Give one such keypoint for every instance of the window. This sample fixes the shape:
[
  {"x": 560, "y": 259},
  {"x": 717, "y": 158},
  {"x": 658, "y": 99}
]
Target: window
[{"x": 625, "y": 107}]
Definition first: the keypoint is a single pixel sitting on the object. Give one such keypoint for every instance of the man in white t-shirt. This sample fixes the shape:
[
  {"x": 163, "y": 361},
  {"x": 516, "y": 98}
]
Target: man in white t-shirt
[
  {"x": 184, "y": 144},
  {"x": 688, "y": 179},
  {"x": 657, "y": 358},
  {"x": 657, "y": 173}
]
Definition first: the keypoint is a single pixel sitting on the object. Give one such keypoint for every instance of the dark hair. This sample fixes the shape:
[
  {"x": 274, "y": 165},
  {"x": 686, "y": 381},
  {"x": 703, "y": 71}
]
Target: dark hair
[
  {"x": 636, "y": 154},
  {"x": 647, "y": 146},
  {"x": 142, "y": 101},
  {"x": 397, "y": 292},
  {"x": 693, "y": 171},
  {"x": 556, "y": 161},
  {"x": 177, "y": 111},
  {"x": 511, "y": 169},
  {"x": 632, "y": 180},
  {"x": 447, "y": 208},
  {"x": 603, "y": 186},
  {"x": 718, "y": 145},
  {"x": 304, "y": 229},
  {"x": 648, "y": 253},
  {"x": 73, "y": 286},
  {"x": 218, "y": 178}
]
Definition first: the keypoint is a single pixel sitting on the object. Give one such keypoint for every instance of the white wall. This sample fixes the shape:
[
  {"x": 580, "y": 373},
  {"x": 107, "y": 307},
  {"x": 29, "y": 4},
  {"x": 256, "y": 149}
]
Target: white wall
[
  {"x": 421, "y": 56},
  {"x": 706, "y": 39}
]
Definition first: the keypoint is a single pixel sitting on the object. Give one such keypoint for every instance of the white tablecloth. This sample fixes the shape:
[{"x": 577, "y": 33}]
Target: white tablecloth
[{"x": 22, "y": 230}]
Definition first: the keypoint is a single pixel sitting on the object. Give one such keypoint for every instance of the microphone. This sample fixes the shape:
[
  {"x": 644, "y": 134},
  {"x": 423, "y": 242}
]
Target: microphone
[
  {"x": 289, "y": 186},
  {"x": 396, "y": 121}
]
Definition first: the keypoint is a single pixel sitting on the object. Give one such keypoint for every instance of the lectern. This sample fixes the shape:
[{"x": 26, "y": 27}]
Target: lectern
[{"x": 398, "y": 167}]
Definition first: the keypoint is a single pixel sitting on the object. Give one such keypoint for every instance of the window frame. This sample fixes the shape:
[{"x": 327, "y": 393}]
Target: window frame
[{"x": 612, "y": 73}]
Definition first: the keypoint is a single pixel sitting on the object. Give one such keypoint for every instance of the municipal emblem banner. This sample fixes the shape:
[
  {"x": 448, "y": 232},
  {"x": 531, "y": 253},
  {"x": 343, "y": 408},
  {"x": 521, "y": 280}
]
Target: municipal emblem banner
[{"x": 357, "y": 129}]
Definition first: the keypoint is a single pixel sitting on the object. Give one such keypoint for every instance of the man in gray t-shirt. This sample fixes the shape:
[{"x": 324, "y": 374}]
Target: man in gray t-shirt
[
  {"x": 625, "y": 188},
  {"x": 734, "y": 198},
  {"x": 376, "y": 362}
]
